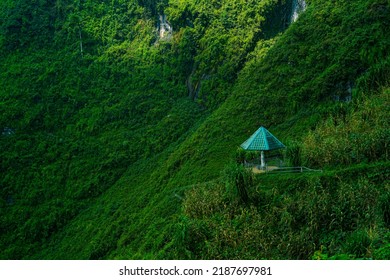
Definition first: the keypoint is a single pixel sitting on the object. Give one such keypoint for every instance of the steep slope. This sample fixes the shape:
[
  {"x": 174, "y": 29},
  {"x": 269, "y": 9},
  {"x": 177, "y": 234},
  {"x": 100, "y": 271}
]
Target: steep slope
[
  {"x": 80, "y": 105},
  {"x": 110, "y": 133},
  {"x": 301, "y": 87},
  {"x": 299, "y": 80}
]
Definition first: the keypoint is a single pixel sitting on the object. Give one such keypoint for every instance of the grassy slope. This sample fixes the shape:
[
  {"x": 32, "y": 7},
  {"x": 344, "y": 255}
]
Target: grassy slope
[
  {"x": 284, "y": 88},
  {"x": 203, "y": 155},
  {"x": 291, "y": 90},
  {"x": 136, "y": 212}
]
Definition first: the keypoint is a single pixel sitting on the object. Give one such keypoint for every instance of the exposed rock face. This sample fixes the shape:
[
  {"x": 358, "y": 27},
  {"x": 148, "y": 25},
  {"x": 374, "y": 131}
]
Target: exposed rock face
[
  {"x": 164, "y": 29},
  {"x": 298, "y": 6}
]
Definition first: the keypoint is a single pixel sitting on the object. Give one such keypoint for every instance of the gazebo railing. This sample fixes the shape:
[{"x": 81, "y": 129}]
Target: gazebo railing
[
  {"x": 295, "y": 169},
  {"x": 277, "y": 165},
  {"x": 275, "y": 161},
  {"x": 279, "y": 168}
]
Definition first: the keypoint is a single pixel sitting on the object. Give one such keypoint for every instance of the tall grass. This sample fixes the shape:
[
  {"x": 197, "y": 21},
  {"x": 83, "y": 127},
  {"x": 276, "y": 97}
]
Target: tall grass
[
  {"x": 362, "y": 135},
  {"x": 238, "y": 181},
  {"x": 289, "y": 217}
]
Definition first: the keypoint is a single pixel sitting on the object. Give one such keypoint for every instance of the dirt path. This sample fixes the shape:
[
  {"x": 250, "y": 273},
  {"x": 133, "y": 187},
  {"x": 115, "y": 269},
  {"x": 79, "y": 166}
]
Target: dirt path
[{"x": 258, "y": 171}]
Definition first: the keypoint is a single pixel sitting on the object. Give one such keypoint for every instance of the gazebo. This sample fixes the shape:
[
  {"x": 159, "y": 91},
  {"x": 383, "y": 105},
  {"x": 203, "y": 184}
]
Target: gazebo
[{"x": 262, "y": 140}]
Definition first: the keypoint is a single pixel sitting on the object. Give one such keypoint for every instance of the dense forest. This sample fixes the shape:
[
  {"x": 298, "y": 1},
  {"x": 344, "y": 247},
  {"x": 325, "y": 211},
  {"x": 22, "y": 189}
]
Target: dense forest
[{"x": 121, "y": 123}]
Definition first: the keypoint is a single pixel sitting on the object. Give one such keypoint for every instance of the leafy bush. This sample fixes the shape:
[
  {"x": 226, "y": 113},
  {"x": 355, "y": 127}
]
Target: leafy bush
[
  {"x": 385, "y": 205},
  {"x": 293, "y": 154},
  {"x": 238, "y": 182},
  {"x": 358, "y": 243},
  {"x": 383, "y": 252}
]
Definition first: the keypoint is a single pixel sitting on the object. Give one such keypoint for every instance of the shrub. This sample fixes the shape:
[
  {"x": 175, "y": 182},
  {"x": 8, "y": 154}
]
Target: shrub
[
  {"x": 293, "y": 154},
  {"x": 237, "y": 181},
  {"x": 385, "y": 205},
  {"x": 358, "y": 243},
  {"x": 383, "y": 252}
]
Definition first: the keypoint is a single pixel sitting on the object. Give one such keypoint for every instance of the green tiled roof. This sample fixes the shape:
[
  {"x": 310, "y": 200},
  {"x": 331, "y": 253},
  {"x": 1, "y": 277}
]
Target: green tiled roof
[{"x": 262, "y": 140}]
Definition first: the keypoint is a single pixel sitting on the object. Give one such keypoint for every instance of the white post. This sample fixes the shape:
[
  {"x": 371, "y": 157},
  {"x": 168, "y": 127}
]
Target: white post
[{"x": 262, "y": 160}]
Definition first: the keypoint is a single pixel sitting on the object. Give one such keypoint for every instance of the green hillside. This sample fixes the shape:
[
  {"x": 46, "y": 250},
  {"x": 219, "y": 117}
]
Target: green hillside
[{"x": 121, "y": 120}]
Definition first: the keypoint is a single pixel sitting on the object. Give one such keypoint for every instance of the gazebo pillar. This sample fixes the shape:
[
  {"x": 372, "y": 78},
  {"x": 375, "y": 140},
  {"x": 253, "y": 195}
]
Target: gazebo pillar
[
  {"x": 262, "y": 140},
  {"x": 262, "y": 158}
]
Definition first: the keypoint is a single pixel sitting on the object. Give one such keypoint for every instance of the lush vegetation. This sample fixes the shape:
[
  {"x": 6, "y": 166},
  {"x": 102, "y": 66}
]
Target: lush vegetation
[{"x": 117, "y": 143}]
